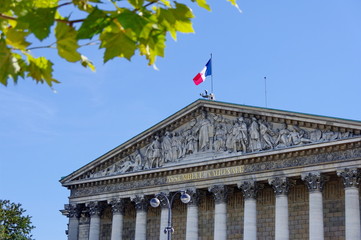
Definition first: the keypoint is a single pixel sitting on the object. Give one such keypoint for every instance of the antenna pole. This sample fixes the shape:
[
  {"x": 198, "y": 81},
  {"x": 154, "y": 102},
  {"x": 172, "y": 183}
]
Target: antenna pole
[{"x": 265, "y": 90}]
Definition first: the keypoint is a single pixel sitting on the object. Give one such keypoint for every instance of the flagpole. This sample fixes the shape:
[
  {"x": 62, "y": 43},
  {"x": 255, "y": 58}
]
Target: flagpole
[{"x": 212, "y": 75}]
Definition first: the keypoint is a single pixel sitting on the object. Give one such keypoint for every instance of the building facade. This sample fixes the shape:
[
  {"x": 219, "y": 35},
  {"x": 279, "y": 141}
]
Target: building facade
[{"x": 252, "y": 173}]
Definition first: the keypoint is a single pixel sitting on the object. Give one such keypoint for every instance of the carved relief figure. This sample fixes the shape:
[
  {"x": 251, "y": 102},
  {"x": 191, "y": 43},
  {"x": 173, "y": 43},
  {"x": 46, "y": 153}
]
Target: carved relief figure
[
  {"x": 284, "y": 138},
  {"x": 266, "y": 135},
  {"x": 219, "y": 138},
  {"x": 190, "y": 143},
  {"x": 176, "y": 147},
  {"x": 154, "y": 154},
  {"x": 254, "y": 136},
  {"x": 167, "y": 147},
  {"x": 205, "y": 133},
  {"x": 241, "y": 135}
]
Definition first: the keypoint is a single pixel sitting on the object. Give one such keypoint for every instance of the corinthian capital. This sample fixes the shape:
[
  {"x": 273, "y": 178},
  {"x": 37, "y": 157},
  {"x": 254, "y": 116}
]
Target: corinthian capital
[
  {"x": 250, "y": 189},
  {"x": 94, "y": 208},
  {"x": 314, "y": 181},
  {"x": 117, "y": 206},
  {"x": 350, "y": 177},
  {"x": 141, "y": 202},
  {"x": 281, "y": 185},
  {"x": 220, "y": 193},
  {"x": 72, "y": 210},
  {"x": 195, "y": 196}
]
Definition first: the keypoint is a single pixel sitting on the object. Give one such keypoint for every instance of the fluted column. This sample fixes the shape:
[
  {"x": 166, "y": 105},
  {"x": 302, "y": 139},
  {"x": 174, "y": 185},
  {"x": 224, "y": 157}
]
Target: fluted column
[
  {"x": 220, "y": 193},
  {"x": 141, "y": 206},
  {"x": 117, "y": 221},
  {"x": 250, "y": 190},
  {"x": 73, "y": 213},
  {"x": 192, "y": 215},
  {"x": 315, "y": 182},
  {"x": 351, "y": 180},
  {"x": 281, "y": 188},
  {"x": 94, "y": 211}
]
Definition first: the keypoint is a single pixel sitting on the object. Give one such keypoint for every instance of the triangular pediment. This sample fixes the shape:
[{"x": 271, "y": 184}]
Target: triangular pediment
[{"x": 209, "y": 130}]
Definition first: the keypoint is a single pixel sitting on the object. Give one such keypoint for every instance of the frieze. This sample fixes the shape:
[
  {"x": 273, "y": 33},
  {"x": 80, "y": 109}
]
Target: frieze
[
  {"x": 247, "y": 168},
  {"x": 217, "y": 134}
]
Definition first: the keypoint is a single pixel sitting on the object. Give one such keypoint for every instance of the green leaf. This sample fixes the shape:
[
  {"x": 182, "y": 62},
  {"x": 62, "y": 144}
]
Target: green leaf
[
  {"x": 117, "y": 44},
  {"x": 94, "y": 24},
  {"x": 85, "y": 62},
  {"x": 203, "y": 4},
  {"x": 6, "y": 64},
  {"x": 132, "y": 20},
  {"x": 67, "y": 43},
  {"x": 17, "y": 38},
  {"x": 41, "y": 70},
  {"x": 39, "y": 21},
  {"x": 136, "y": 3}
]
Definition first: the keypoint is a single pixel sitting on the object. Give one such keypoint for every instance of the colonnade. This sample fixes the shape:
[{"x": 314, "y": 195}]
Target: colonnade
[{"x": 281, "y": 185}]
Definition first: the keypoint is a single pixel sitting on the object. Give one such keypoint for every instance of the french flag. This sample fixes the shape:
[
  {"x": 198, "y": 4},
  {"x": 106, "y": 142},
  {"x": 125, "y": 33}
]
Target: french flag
[{"x": 206, "y": 71}]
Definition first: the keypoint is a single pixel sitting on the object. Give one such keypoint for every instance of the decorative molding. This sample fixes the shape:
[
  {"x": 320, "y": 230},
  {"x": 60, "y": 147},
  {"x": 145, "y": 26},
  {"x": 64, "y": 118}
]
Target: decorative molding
[
  {"x": 220, "y": 193},
  {"x": 117, "y": 206},
  {"x": 250, "y": 189},
  {"x": 314, "y": 181},
  {"x": 281, "y": 186},
  {"x": 141, "y": 202},
  {"x": 351, "y": 177}
]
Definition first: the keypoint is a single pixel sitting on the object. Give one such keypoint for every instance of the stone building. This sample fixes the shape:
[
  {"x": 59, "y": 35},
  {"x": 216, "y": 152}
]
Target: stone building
[{"x": 252, "y": 173}]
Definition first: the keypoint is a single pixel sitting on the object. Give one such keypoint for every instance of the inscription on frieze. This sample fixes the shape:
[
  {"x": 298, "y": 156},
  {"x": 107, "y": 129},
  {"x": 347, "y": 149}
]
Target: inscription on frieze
[{"x": 220, "y": 172}]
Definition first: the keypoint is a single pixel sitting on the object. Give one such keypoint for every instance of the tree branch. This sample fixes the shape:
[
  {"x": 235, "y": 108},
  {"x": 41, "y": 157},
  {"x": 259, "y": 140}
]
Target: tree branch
[
  {"x": 64, "y": 4},
  {"x": 7, "y": 17}
]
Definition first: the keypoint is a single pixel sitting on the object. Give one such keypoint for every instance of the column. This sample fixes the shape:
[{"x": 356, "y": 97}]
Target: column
[
  {"x": 73, "y": 213},
  {"x": 192, "y": 215},
  {"x": 250, "y": 190},
  {"x": 163, "y": 219},
  {"x": 220, "y": 210},
  {"x": 315, "y": 182},
  {"x": 351, "y": 180},
  {"x": 141, "y": 206},
  {"x": 94, "y": 211},
  {"x": 281, "y": 188},
  {"x": 117, "y": 221}
]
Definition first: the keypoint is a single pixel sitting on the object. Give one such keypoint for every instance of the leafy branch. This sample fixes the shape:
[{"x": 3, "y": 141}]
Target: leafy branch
[{"x": 140, "y": 27}]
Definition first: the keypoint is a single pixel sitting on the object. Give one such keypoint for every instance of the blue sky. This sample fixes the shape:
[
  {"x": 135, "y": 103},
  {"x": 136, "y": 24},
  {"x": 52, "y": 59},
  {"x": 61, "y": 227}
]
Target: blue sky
[{"x": 308, "y": 50}]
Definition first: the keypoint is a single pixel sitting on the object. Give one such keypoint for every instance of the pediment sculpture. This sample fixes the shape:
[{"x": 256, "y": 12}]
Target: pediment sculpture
[{"x": 219, "y": 135}]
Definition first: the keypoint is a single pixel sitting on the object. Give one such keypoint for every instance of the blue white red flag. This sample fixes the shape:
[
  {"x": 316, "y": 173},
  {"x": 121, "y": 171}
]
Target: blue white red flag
[{"x": 206, "y": 71}]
